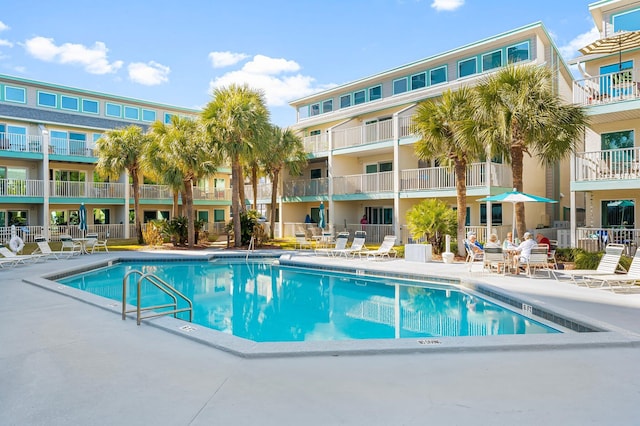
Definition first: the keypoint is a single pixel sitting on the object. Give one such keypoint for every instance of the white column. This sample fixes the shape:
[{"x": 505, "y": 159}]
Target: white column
[{"x": 46, "y": 216}]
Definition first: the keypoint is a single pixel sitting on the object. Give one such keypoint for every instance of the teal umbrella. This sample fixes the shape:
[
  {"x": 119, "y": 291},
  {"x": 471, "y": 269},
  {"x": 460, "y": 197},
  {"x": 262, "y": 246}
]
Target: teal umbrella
[
  {"x": 516, "y": 197},
  {"x": 83, "y": 218},
  {"x": 321, "y": 222}
]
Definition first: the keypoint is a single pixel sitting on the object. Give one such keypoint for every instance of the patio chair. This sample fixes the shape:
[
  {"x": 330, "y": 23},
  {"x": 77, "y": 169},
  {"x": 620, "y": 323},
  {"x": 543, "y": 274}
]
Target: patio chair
[
  {"x": 385, "y": 249},
  {"x": 551, "y": 257},
  {"x": 101, "y": 244},
  {"x": 494, "y": 259},
  {"x": 340, "y": 244},
  {"x": 301, "y": 241},
  {"x": 626, "y": 280},
  {"x": 17, "y": 258},
  {"x": 472, "y": 256},
  {"x": 44, "y": 249},
  {"x": 69, "y": 245},
  {"x": 538, "y": 260},
  {"x": 357, "y": 246},
  {"x": 608, "y": 265}
]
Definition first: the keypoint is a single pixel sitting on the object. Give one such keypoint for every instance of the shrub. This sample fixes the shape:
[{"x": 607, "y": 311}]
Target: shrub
[
  {"x": 152, "y": 233},
  {"x": 432, "y": 219},
  {"x": 176, "y": 230}
]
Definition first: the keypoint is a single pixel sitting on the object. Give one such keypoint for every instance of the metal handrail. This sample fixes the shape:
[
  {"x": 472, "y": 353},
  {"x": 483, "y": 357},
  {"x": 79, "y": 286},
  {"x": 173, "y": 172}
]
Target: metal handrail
[{"x": 160, "y": 285}]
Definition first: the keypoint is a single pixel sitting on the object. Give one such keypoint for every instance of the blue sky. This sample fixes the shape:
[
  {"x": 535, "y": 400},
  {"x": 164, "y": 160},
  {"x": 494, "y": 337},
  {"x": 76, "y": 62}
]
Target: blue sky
[{"x": 176, "y": 52}]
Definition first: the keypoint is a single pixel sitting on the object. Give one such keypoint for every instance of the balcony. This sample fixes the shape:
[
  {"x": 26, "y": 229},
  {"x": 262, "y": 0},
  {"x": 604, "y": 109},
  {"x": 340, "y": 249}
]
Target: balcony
[
  {"x": 366, "y": 183},
  {"x": 63, "y": 146},
  {"x": 362, "y": 135},
  {"x": 606, "y": 88},
  {"x": 20, "y": 143},
  {"x": 215, "y": 194},
  {"x": 87, "y": 189},
  {"x": 316, "y": 144},
  {"x": 306, "y": 187},
  {"x": 264, "y": 191},
  {"x": 433, "y": 178},
  {"x": 21, "y": 188},
  {"x": 608, "y": 164},
  {"x": 153, "y": 192}
]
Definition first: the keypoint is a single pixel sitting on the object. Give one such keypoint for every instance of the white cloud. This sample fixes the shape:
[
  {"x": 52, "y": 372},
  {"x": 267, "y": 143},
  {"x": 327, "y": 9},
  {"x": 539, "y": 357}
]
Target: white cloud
[
  {"x": 93, "y": 59},
  {"x": 447, "y": 5},
  {"x": 277, "y": 77},
  {"x": 570, "y": 50},
  {"x": 6, "y": 43},
  {"x": 226, "y": 59},
  {"x": 149, "y": 74},
  {"x": 3, "y": 26}
]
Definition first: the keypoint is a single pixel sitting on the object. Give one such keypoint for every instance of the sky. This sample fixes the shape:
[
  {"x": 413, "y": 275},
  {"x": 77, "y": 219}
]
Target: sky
[{"x": 177, "y": 53}]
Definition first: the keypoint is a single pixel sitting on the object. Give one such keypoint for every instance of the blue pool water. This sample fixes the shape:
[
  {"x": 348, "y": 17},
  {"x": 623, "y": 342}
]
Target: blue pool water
[{"x": 264, "y": 302}]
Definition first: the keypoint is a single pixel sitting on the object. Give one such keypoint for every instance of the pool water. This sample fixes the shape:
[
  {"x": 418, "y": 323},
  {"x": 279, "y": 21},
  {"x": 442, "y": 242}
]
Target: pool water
[{"x": 265, "y": 302}]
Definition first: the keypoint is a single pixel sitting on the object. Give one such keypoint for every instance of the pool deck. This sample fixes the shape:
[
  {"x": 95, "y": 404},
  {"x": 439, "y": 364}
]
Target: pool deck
[{"x": 66, "y": 362}]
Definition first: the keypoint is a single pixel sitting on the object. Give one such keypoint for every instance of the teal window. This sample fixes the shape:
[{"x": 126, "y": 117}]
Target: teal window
[
  {"x": 617, "y": 140},
  {"x": 438, "y": 75},
  {"x": 315, "y": 173},
  {"x": 345, "y": 101},
  {"x": 315, "y": 132},
  {"x": 327, "y": 106},
  {"x": 47, "y": 99},
  {"x": 113, "y": 110},
  {"x": 518, "y": 53},
  {"x": 618, "y": 213},
  {"x": 385, "y": 167},
  {"x": 68, "y": 102},
  {"x": 203, "y": 215},
  {"x": 15, "y": 94},
  {"x": 303, "y": 112},
  {"x": 148, "y": 115},
  {"x": 491, "y": 60},
  {"x": 218, "y": 215},
  {"x": 418, "y": 81},
  {"x": 96, "y": 136},
  {"x": 375, "y": 93},
  {"x": 399, "y": 86},
  {"x": 627, "y": 21},
  {"x": 90, "y": 106},
  {"x": 359, "y": 97},
  {"x": 371, "y": 168},
  {"x": 101, "y": 216},
  {"x": 167, "y": 118},
  {"x": 131, "y": 113},
  {"x": 17, "y": 137},
  {"x": 314, "y": 109},
  {"x": 467, "y": 67},
  {"x": 496, "y": 214}
]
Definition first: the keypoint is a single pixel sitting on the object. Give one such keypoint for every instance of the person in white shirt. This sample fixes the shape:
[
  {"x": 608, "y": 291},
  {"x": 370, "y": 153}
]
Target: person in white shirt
[{"x": 523, "y": 251}]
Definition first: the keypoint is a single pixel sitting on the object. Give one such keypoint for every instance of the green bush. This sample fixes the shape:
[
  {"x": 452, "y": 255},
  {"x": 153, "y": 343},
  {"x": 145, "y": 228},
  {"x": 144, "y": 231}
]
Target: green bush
[
  {"x": 432, "y": 219},
  {"x": 587, "y": 260},
  {"x": 152, "y": 234},
  {"x": 176, "y": 230},
  {"x": 248, "y": 224}
]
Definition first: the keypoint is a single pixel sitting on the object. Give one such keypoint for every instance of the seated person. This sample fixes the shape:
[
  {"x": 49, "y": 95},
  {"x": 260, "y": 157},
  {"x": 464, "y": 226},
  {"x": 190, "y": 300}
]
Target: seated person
[
  {"x": 543, "y": 240},
  {"x": 474, "y": 245},
  {"x": 523, "y": 251},
  {"x": 508, "y": 243},
  {"x": 493, "y": 241}
]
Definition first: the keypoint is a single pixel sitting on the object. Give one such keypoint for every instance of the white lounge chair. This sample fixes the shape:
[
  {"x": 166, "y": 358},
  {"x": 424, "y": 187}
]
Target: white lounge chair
[
  {"x": 494, "y": 258},
  {"x": 538, "y": 260},
  {"x": 607, "y": 266},
  {"x": 341, "y": 244},
  {"x": 618, "y": 280},
  {"x": 100, "y": 244},
  {"x": 301, "y": 241},
  {"x": 45, "y": 250},
  {"x": 357, "y": 246},
  {"x": 17, "y": 258},
  {"x": 385, "y": 249}
]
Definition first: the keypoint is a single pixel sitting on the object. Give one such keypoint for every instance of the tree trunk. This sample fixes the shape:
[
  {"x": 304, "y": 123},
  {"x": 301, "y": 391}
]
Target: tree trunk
[
  {"x": 254, "y": 183},
  {"x": 275, "y": 176},
  {"x": 175, "y": 212},
  {"x": 188, "y": 205},
  {"x": 517, "y": 155},
  {"x": 235, "y": 201},
  {"x": 461, "y": 190},
  {"x": 135, "y": 178}
]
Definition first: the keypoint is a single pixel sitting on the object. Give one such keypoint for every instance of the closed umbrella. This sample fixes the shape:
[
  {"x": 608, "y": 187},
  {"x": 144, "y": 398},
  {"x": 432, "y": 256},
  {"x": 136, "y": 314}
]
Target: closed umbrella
[
  {"x": 83, "y": 219},
  {"x": 616, "y": 43},
  {"x": 516, "y": 197},
  {"x": 321, "y": 222}
]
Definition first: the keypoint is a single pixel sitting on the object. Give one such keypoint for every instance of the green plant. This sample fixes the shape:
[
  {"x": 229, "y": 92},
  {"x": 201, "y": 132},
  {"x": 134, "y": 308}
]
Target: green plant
[
  {"x": 587, "y": 260},
  {"x": 176, "y": 230},
  {"x": 432, "y": 219},
  {"x": 152, "y": 233},
  {"x": 248, "y": 222}
]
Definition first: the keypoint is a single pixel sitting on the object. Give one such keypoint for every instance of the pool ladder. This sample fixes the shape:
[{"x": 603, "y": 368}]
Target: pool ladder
[{"x": 161, "y": 285}]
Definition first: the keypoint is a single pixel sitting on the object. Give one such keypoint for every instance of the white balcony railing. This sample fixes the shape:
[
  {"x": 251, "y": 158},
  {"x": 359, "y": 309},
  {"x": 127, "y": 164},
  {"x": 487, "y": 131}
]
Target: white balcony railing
[
  {"x": 64, "y": 146},
  {"x": 366, "y": 183},
  {"x": 608, "y": 164},
  {"x": 264, "y": 191},
  {"x": 86, "y": 189},
  {"x": 212, "y": 194},
  {"x": 153, "y": 192},
  {"x": 606, "y": 88},
  {"x": 21, "y": 188},
  {"x": 406, "y": 126},
  {"x": 20, "y": 143},
  {"x": 316, "y": 144},
  {"x": 306, "y": 187},
  {"x": 361, "y": 135},
  {"x": 444, "y": 177}
]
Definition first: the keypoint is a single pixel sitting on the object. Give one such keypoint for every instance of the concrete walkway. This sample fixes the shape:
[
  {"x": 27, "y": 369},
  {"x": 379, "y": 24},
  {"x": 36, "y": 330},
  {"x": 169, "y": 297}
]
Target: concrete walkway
[{"x": 65, "y": 362}]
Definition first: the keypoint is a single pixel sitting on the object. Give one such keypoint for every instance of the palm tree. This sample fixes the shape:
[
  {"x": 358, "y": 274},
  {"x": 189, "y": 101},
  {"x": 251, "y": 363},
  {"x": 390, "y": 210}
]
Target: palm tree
[
  {"x": 121, "y": 150},
  {"x": 520, "y": 112},
  {"x": 448, "y": 135},
  {"x": 181, "y": 149},
  {"x": 235, "y": 119},
  {"x": 286, "y": 151}
]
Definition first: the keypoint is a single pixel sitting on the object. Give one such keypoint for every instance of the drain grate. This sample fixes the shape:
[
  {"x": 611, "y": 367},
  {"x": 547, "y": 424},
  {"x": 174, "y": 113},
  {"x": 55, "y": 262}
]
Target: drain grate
[{"x": 188, "y": 328}]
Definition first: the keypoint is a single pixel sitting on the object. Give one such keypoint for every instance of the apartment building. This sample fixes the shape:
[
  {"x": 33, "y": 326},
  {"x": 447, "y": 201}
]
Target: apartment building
[
  {"x": 605, "y": 173},
  {"x": 47, "y": 163},
  {"x": 361, "y": 143}
]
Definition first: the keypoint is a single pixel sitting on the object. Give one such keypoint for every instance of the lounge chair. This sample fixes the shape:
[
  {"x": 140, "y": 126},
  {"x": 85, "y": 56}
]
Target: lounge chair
[
  {"x": 301, "y": 241},
  {"x": 17, "y": 258},
  {"x": 607, "y": 266},
  {"x": 472, "y": 256},
  {"x": 385, "y": 249},
  {"x": 44, "y": 249},
  {"x": 627, "y": 280},
  {"x": 494, "y": 258},
  {"x": 101, "y": 244},
  {"x": 538, "y": 260},
  {"x": 341, "y": 244},
  {"x": 357, "y": 246}
]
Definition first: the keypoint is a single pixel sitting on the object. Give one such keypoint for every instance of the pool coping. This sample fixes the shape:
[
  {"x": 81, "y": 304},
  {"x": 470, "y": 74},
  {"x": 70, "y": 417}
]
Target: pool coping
[{"x": 604, "y": 335}]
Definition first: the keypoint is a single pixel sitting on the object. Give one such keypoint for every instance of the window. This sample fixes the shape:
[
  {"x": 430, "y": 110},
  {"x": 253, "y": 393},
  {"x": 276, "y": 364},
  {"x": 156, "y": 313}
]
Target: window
[
  {"x": 617, "y": 140},
  {"x": 315, "y": 173},
  {"x": 627, "y": 21},
  {"x": 58, "y": 142},
  {"x": 113, "y": 110},
  {"x": 327, "y": 106},
  {"x": 399, "y": 86},
  {"x": 149, "y": 215},
  {"x": 17, "y": 217},
  {"x": 375, "y": 93},
  {"x": 496, "y": 214},
  {"x": 345, "y": 101},
  {"x": 15, "y": 94},
  {"x": 13, "y": 181},
  {"x": 314, "y": 109},
  {"x": 438, "y": 75},
  {"x": 70, "y": 103},
  {"x": 618, "y": 213},
  {"x": 379, "y": 215},
  {"x": 371, "y": 168},
  {"x": 47, "y": 99},
  {"x": 167, "y": 118},
  {"x": 467, "y": 67},
  {"x": 101, "y": 216},
  {"x": 315, "y": 132},
  {"x": 385, "y": 167},
  {"x": 518, "y": 53},
  {"x": 359, "y": 97},
  {"x": 77, "y": 143},
  {"x": 491, "y": 60},
  {"x": 218, "y": 215},
  {"x": 303, "y": 112},
  {"x": 90, "y": 106},
  {"x": 17, "y": 137},
  {"x": 203, "y": 215},
  {"x": 418, "y": 81},
  {"x": 148, "y": 115},
  {"x": 131, "y": 113},
  {"x": 69, "y": 176}
]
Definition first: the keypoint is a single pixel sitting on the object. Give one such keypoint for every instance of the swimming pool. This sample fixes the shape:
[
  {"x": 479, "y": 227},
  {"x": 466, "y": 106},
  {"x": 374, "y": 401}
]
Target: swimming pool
[{"x": 264, "y": 302}]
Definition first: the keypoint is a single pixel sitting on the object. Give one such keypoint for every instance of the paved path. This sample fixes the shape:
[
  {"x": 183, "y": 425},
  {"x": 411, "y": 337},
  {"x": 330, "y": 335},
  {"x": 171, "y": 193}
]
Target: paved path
[{"x": 65, "y": 362}]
